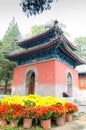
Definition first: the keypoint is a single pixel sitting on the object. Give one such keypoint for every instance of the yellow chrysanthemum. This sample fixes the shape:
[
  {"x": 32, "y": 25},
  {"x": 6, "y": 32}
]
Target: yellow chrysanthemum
[{"x": 36, "y": 99}]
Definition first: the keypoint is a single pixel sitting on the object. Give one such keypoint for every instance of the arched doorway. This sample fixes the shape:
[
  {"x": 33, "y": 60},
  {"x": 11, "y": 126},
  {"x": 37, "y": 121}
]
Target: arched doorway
[
  {"x": 69, "y": 84},
  {"x": 30, "y": 82}
]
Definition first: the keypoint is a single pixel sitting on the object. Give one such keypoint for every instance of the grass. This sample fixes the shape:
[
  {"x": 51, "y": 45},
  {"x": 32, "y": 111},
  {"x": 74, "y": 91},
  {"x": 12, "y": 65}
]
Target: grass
[
  {"x": 8, "y": 128},
  {"x": 19, "y": 128},
  {"x": 78, "y": 127},
  {"x": 81, "y": 113},
  {"x": 77, "y": 115}
]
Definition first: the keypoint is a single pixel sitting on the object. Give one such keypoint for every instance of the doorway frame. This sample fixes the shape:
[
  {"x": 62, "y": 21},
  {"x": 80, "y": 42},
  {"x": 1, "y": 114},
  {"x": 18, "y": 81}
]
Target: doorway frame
[
  {"x": 69, "y": 90},
  {"x": 35, "y": 71}
]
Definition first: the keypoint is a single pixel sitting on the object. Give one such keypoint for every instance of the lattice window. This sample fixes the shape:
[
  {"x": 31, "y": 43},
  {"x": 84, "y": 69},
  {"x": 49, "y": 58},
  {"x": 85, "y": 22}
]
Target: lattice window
[{"x": 82, "y": 82}]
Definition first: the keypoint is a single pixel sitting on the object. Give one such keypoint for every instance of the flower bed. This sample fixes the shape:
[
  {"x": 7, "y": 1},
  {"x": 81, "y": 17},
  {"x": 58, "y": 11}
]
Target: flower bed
[{"x": 34, "y": 107}]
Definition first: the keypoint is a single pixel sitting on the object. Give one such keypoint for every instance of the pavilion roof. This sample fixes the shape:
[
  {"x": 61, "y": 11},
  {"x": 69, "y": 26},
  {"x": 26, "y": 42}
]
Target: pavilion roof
[
  {"x": 65, "y": 47},
  {"x": 27, "y": 41},
  {"x": 35, "y": 38},
  {"x": 33, "y": 49}
]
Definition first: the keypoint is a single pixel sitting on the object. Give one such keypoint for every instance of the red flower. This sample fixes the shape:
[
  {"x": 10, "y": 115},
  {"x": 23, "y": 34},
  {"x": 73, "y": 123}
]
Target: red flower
[
  {"x": 3, "y": 109},
  {"x": 44, "y": 112},
  {"x": 58, "y": 110},
  {"x": 15, "y": 112},
  {"x": 29, "y": 112},
  {"x": 71, "y": 107}
]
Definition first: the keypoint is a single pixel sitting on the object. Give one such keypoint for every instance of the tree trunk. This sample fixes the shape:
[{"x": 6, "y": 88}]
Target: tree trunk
[{"x": 5, "y": 87}]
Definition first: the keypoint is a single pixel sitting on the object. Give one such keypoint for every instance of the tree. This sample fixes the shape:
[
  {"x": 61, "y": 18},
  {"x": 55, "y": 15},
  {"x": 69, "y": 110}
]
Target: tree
[
  {"x": 0, "y": 44},
  {"x": 35, "y": 30},
  {"x": 63, "y": 28},
  {"x": 6, "y": 72},
  {"x": 81, "y": 45},
  {"x": 33, "y": 7},
  {"x": 12, "y": 34},
  {"x": 1, "y": 50}
]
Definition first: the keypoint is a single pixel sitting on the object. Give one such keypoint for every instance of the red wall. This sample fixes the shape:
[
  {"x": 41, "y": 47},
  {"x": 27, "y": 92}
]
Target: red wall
[
  {"x": 61, "y": 70},
  {"x": 49, "y": 72},
  {"x": 46, "y": 72}
]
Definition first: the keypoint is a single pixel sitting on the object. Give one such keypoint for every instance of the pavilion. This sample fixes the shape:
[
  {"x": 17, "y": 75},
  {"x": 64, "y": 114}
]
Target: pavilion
[{"x": 46, "y": 66}]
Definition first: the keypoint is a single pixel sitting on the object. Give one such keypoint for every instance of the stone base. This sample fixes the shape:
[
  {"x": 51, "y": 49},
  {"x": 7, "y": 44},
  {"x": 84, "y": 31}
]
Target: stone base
[
  {"x": 18, "y": 90},
  {"x": 44, "y": 90}
]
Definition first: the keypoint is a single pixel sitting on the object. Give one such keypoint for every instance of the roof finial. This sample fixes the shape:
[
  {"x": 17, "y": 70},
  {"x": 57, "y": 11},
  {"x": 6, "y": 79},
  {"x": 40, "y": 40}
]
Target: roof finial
[{"x": 55, "y": 23}]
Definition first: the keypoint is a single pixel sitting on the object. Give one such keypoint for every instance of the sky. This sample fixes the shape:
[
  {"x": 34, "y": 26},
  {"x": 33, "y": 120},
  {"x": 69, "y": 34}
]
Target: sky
[{"x": 70, "y": 12}]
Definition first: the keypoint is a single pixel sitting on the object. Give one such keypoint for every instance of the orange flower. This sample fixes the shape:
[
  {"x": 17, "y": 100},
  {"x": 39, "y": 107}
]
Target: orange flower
[
  {"x": 44, "y": 112},
  {"x": 3, "y": 109},
  {"x": 15, "y": 112},
  {"x": 29, "y": 112},
  {"x": 58, "y": 110},
  {"x": 71, "y": 108}
]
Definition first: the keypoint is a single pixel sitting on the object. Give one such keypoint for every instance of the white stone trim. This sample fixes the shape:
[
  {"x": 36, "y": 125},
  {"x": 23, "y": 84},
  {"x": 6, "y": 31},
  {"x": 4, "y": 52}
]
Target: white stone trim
[
  {"x": 34, "y": 69},
  {"x": 69, "y": 72}
]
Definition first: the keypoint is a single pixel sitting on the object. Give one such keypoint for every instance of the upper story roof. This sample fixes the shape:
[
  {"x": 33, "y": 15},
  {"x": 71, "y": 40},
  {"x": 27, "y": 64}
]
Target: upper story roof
[
  {"x": 63, "y": 46},
  {"x": 46, "y": 40},
  {"x": 47, "y": 36}
]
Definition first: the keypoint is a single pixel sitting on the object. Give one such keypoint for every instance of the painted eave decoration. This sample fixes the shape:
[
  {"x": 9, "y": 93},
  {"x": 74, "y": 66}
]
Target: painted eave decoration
[{"x": 57, "y": 38}]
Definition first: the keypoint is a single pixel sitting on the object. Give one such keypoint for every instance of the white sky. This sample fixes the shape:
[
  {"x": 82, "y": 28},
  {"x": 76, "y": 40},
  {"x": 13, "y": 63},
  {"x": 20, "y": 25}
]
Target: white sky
[{"x": 70, "y": 12}]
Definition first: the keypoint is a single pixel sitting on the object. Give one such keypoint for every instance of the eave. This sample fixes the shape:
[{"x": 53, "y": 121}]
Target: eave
[
  {"x": 82, "y": 74},
  {"x": 33, "y": 49},
  {"x": 69, "y": 43},
  {"x": 70, "y": 53},
  {"x": 26, "y": 41},
  {"x": 64, "y": 47}
]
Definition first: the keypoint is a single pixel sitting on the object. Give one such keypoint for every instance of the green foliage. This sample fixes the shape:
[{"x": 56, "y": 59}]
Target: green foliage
[
  {"x": 8, "y": 128},
  {"x": 33, "y": 7},
  {"x": 35, "y": 30},
  {"x": 8, "y": 44},
  {"x": 28, "y": 103},
  {"x": 1, "y": 50},
  {"x": 6, "y": 71},
  {"x": 10, "y": 37},
  {"x": 61, "y": 25},
  {"x": 0, "y": 43},
  {"x": 47, "y": 116},
  {"x": 81, "y": 44},
  {"x": 63, "y": 28}
]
